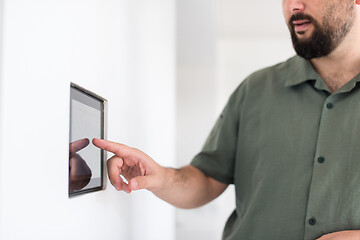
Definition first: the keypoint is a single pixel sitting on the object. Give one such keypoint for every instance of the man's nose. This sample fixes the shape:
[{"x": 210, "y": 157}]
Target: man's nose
[{"x": 294, "y": 6}]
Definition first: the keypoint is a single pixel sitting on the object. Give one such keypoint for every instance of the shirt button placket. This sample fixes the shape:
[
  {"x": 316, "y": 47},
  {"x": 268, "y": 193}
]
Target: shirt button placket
[{"x": 312, "y": 214}]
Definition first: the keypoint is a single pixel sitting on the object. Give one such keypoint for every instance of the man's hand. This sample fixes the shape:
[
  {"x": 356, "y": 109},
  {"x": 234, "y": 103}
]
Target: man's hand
[
  {"x": 343, "y": 235},
  {"x": 79, "y": 172},
  {"x": 186, "y": 187},
  {"x": 140, "y": 170}
]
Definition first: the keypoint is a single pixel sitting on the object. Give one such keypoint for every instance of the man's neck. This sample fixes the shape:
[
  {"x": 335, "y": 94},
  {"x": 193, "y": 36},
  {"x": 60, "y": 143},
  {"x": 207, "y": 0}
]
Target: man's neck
[
  {"x": 336, "y": 71},
  {"x": 343, "y": 64}
]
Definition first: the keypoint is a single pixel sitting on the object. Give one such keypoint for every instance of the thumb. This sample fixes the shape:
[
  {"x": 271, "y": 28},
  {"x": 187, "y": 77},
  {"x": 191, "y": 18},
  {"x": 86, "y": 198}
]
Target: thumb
[{"x": 142, "y": 182}]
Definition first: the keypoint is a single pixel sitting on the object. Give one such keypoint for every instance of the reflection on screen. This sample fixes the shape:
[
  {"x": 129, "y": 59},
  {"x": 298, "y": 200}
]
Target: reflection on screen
[{"x": 85, "y": 123}]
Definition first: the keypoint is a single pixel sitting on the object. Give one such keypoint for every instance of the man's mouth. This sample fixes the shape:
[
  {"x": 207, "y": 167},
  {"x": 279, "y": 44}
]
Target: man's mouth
[{"x": 300, "y": 26}]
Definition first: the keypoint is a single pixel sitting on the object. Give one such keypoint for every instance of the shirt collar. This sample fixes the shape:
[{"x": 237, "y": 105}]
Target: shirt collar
[
  {"x": 300, "y": 71},
  {"x": 349, "y": 86}
]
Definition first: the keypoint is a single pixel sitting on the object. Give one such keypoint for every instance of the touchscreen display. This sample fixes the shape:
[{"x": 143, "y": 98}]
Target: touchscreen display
[{"x": 85, "y": 160}]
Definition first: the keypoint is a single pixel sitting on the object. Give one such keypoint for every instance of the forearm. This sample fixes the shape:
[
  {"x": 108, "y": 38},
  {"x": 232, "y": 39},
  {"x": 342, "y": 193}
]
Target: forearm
[
  {"x": 343, "y": 235},
  {"x": 188, "y": 187}
]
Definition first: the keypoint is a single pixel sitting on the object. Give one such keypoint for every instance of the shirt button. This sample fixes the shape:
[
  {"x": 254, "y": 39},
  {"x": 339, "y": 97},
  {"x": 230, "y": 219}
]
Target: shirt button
[
  {"x": 312, "y": 221},
  {"x": 329, "y": 105},
  {"x": 321, "y": 159}
]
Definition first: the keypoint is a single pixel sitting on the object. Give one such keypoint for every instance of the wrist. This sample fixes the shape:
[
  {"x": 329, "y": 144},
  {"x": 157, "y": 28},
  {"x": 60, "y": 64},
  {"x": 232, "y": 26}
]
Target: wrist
[{"x": 165, "y": 180}]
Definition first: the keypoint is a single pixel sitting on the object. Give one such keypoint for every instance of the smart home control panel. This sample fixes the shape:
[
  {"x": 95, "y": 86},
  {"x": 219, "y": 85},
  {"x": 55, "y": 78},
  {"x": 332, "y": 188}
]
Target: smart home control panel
[{"x": 87, "y": 121}]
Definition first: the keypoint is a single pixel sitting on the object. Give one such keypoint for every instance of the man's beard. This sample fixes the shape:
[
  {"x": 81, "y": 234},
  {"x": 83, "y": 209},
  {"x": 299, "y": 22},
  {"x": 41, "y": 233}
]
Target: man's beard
[{"x": 325, "y": 38}]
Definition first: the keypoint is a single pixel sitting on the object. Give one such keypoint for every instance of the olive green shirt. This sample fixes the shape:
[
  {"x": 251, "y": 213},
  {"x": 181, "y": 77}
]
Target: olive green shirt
[{"x": 292, "y": 150}]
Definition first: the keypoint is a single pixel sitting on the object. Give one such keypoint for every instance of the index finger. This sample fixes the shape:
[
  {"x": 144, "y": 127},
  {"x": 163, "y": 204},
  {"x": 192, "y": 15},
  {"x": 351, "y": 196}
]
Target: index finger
[{"x": 118, "y": 149}]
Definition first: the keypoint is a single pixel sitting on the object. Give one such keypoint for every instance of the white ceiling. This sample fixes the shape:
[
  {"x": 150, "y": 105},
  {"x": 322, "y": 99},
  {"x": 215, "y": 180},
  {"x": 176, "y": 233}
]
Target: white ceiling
[{"x": 240, "y": 18}]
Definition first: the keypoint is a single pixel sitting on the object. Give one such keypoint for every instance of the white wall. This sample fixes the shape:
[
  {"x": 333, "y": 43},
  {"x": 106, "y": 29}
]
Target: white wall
[
  {"x": 251, "y": 36},
  {"x": 196, "y": 108},
  {"x": 219, "y": 44},
  {"x": 1, "y": 99},
  {"x": 251, "y": 18},
  {"x": 122, "y": 50}
]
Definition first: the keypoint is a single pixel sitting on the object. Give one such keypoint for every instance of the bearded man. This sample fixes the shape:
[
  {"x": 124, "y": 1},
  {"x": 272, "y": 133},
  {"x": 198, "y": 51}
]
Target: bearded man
[{"x": 288, "y": 139}]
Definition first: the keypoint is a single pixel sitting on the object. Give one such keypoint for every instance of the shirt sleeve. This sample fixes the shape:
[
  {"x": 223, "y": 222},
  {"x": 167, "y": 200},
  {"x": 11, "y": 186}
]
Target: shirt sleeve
[{"x": 217, "y": 157}]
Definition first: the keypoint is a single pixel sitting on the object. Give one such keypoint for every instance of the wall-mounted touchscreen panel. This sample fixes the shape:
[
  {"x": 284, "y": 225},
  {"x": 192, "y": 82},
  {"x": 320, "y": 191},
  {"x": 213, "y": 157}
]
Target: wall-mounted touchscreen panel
[{"x": 87, "y": 121}]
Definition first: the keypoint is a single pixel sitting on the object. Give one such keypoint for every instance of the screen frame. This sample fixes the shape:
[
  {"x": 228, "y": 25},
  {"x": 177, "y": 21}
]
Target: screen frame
[{"x": 104, "y": 105}]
